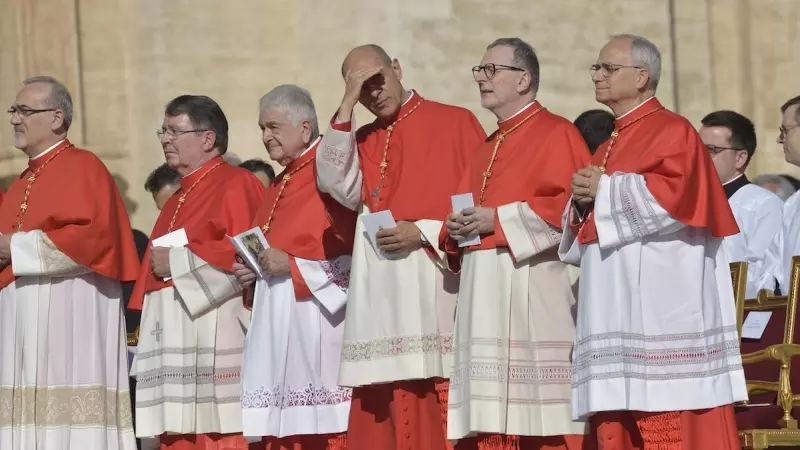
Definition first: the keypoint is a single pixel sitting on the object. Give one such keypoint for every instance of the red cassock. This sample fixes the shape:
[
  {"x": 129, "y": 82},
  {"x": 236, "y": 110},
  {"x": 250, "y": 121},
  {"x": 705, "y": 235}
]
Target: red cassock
[
  {"x": 427, "y": 155},
  {"x": 75, "y": 202},
  {"x": 668, "y": 152},
  {"x": 221, "y": 204},
  {"x": 310, "y": 225},
  {"x": 534, "y": 164}
]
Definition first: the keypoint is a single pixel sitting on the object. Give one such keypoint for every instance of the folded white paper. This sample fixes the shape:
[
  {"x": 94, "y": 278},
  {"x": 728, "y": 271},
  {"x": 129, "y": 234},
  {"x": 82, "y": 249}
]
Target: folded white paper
[
  {"x": 374, "y": 222},
  {"x": 248, "y": 245},
  {"x": 176, "y": 238},
  {"x": 755, "y": 324},
  {"x": 461, "y": 202}
]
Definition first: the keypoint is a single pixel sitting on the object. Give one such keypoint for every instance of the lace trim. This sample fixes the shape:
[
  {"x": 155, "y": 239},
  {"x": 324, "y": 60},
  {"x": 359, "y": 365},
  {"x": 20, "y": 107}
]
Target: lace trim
[
  {"x": 334, "y": 157},
  {"x": 66, "y": 407},
  {"x": 287, "y": 397},
  {"x": 54, "y": 261},
  {"x": 187, "y": 375},
  {"x": 660, "y": 357},
  {"x": 338, "y": 272},
  {"x": 511, "y": 374},
  {"x": 353, "y": 351}
]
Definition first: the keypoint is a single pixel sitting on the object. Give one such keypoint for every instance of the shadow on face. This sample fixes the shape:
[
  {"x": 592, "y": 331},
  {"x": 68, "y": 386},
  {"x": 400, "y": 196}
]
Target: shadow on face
[
  {"x": 164, "y": 194},
  {"x": 382, "y": 94}
]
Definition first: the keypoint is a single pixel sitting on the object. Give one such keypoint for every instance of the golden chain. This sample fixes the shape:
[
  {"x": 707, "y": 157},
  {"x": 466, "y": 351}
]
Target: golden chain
[
  {"x": 182, "y": 198},
  {"x": 23, "y": 207},
  {"x": 385, "y": 160},
  {"x": 284, "y": 182},
  {"x": 615, "y": 133},
  {"x": 500, "y": 138}
]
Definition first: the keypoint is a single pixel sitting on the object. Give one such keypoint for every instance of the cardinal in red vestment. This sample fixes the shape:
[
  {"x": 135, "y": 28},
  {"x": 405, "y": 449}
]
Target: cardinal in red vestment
[
  {"x": 656, "y": 362},
  {"x": 397, "y": 349},
  {"x": 294, "y": 342},
  {"x": 65, "y": 247},
  {"x": 516, "y": 297},
  {"x": 188, "y": 359}
]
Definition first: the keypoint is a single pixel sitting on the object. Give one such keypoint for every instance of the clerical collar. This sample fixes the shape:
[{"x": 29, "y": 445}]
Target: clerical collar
[
  {"x": 188, "y": 180},
  {"x": 411, "y": 94},
  {"x": 518, "y": 112},
  {"x": 734, "y": 185},
  {"x": 312, "y": 145},
  {"x": 49, "y": 149},
  {"x": 521, "y": 115},
  {"x": 646, "y": 107}
]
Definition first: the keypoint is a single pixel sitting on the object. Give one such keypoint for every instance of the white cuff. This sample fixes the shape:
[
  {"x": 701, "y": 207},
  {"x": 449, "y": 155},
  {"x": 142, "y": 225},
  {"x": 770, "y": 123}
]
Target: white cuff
[
  {"x": 34, "y": 254},
  {"x": 200, "y": 286},
  {"x": 527, "y": 234},
  {"x": 328, "y": 281}
]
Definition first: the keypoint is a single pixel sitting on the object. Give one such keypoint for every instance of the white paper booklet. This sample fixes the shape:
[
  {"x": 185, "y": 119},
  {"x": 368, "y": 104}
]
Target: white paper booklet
[
  {"x": 374, "y": 222},
  {"x": 177, "y": 238},
  {"x": 461, "y": 202},
  {"x": 248, "y": 245}
]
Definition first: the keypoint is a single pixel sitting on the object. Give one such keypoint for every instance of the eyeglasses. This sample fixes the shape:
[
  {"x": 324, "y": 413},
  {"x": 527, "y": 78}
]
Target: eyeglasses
[
  {"x": 175, "y": 133},
  {"x": 716, "y": 150},
  {"x": 490, "y": 70},
  {"x": 608, "y": 69},
  {"x": 24, "y": 111},
  {"x": 785, "y": 130}
]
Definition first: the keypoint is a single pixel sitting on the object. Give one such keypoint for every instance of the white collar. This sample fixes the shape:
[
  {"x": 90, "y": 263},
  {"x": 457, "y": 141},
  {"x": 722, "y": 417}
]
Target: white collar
[
  {"x": 311, "y": 145},
  {"x": 733, "y": 179},
  {"x": 410, "y": 96},
  {"x": 519, "y": 112},
  {"x": 636, "y": 107},
  {"x": 50, "y": 149}
]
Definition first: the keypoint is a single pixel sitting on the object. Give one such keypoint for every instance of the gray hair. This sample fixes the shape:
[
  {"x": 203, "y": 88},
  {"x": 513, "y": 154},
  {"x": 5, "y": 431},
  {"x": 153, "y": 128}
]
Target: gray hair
[
  {"x": 644, "y": 54},
  {"x": 297, "y": 103},
  {"x": 783, "y": 187},
  {"x": 524, "y": 57},
  {"x": 59, "y": 97}
]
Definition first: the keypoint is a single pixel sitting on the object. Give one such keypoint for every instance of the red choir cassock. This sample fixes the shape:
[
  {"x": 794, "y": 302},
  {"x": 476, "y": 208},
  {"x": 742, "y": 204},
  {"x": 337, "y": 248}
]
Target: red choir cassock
[
  {"x": 222, "y": 203},
  {"x": 307, "y": 224},
  {"x": 534, "y": 164},
  {"x": 428, "y": 153},
  {"x": 75, "y": 202},
  {"x": 681, "y": 177}
]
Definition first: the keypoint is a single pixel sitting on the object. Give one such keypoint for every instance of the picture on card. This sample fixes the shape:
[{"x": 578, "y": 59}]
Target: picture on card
[{"x": 248, "y": 246}]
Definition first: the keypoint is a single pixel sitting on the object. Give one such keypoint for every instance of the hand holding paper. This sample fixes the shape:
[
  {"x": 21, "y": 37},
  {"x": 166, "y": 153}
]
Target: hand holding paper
[
  {"x": 249, "y": 246},
  {"x": 460, "y": 203},
  {"x": 375, "y": 222},
  {"x": 177, "y": 238}
]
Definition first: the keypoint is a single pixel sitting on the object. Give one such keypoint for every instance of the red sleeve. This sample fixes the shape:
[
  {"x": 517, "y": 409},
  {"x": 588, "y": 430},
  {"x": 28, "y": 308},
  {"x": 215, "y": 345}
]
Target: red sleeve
[
  {"x": 552, "y": 192},
  {"x": 301, "y": 290},
  {"x": 682, "y": 169},
  {"x": 344, "y": 126},
  {"x": 238, "y": 207}
]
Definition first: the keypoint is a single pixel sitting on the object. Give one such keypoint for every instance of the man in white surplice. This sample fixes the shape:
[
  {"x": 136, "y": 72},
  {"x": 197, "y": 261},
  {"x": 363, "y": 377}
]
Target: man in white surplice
[
  {"x": 65, "y": 246},
  {"x": 789, "y": 138},
  {"x": 188, "y": 359},
  {"x": 290, "y": 393},
  {"x": 656, "y": 349},
  {"x": 731, "y": 140}
]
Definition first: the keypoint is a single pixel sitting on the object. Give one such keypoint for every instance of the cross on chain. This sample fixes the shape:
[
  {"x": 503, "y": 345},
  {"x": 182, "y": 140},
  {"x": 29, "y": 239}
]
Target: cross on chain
[{"x": 157, "y": 332}]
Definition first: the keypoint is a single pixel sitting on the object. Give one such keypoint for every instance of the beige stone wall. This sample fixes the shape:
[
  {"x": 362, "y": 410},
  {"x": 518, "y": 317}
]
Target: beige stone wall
[{"x": 124, "y": 59}]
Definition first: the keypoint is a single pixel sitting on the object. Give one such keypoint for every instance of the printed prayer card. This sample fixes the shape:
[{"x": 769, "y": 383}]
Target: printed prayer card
[
  {"x": 374, "y": 222},
  {"x": 755, "y": 324},
  {"x": 249, "y": 245},
  {"x": 177, "y": 238},
  {"x": 461, "y": 202}
]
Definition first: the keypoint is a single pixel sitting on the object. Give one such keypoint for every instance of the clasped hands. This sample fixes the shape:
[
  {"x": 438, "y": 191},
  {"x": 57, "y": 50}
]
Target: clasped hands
[
  {"x": 470, "y": 222},
  {"x": 584, "y": 185},
  {"x": 5, "y": 249}
]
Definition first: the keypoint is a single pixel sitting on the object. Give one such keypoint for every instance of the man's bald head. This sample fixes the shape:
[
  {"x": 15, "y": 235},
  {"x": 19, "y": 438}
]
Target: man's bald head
[
  {"x": 372, "y": 53},
  {"x": 383, "y": 93}
]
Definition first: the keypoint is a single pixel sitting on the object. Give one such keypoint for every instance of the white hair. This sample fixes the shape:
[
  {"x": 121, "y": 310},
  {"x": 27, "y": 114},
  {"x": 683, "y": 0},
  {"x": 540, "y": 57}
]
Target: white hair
[
  {"x": 783, "y": 187},
  {"x": 644, "y": 54},
  {"x": 297, "y": 103}
]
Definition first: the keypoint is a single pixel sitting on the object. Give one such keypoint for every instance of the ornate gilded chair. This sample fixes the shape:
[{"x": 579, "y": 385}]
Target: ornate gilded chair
[
  {"x": 133, "y": 338},
  {"x": 786, "y": 433}
]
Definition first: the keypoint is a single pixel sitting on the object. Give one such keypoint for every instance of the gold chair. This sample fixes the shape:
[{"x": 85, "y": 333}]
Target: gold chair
[
  {"x": 133, "y": 338},
  {"x": 787, "y": 434}
]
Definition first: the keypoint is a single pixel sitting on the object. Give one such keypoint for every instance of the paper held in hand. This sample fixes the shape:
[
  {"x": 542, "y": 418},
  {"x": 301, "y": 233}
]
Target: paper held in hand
[
  {"x": 461, "y": 202},
  {"x": 374, "y": 222},
  {"x": 248, "y": 245},
  {"x": 177, "y": 238}
]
